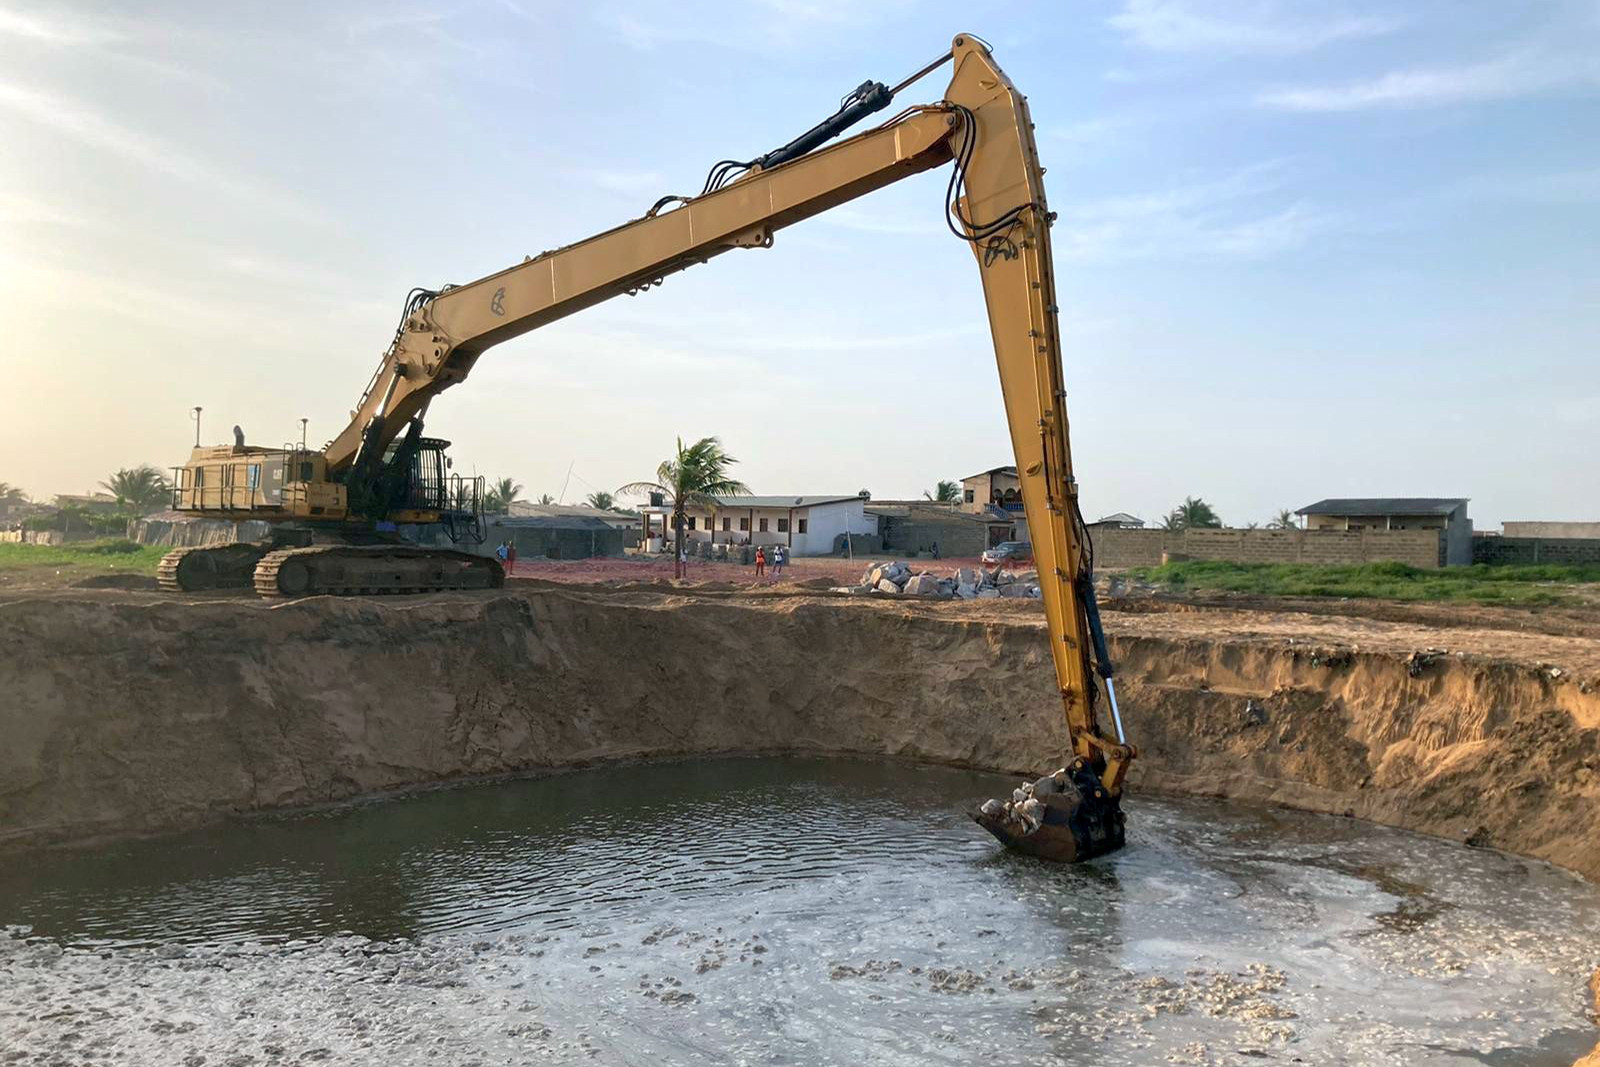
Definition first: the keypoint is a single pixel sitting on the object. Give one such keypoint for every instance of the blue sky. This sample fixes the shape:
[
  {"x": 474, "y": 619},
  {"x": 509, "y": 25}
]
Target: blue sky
[{"x": 1305, "y": 249}]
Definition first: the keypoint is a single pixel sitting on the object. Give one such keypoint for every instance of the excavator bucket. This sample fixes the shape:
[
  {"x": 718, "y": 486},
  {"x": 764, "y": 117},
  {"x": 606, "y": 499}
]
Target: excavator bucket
[{"x": 1066, "y": 817}]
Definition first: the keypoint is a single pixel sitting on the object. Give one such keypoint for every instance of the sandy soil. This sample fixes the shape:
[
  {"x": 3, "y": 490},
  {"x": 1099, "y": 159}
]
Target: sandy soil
[
  {"x": 651, "y": 568},
  {"x": 134, "y": 711}
]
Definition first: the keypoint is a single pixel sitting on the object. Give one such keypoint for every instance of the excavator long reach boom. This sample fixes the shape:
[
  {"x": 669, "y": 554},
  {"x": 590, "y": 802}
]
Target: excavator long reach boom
[{"x": 997, "y": 205}]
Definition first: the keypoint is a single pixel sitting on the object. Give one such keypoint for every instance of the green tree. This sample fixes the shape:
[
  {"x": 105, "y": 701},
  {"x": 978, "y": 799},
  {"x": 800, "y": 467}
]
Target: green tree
[
  {"x": 139, "y": 488},
  {"x": 1193, "y": 513},
  {"x": 501, "y": 494},
  {"x": 10, "y": 492},
  {"x": 546, "y": 499},
  {"x": 943, "y": 493},
  {"x": 694, "y": 477},
  {"x": 602, "y": 500},
  {"x": 1284, "y": 520}
]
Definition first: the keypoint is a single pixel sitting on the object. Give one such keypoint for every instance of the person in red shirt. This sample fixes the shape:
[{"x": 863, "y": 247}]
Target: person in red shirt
[
  {"x": 761, "y": 563},
  {"x": 511, "y": 557}
]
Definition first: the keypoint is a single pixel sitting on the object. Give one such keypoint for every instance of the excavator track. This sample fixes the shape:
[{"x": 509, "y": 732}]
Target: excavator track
[
  {"x": 202, "y": 568},
  {"x": 372, "y": 570}
]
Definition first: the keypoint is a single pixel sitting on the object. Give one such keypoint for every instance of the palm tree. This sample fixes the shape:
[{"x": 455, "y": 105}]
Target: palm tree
[
  {"x": 546, "y": 499},
  {"x": 601, "y": 500},
  {"x": 503, "y": 492},
  {"x": 1193, "y": 513},
  {"x": 140, "y": 487},
  {"x": 943, "y": 493},
  {"x": 696, "y": 476},
  {"x": 1284, "y": 520}
]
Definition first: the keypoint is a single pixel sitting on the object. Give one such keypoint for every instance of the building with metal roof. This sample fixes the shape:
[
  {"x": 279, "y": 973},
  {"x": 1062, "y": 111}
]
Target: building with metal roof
[
  {"x": 808, "y": 524},
  {"x": 1443, "y": 513}
]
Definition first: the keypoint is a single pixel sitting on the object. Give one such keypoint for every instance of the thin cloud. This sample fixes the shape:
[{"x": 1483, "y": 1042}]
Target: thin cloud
[
  {"x": 86, "y": 126},
  {"x": 81, "y": 30},
  {"x": 1217, "y": 219},
  {"x": 1524, "y": 72},
  {"x": 111, "y": 40},
  {"x": 1557, "y": 187},
  {"x": 1260, "y": 28},
  {"x": 15, "y": 208},
  {"x": 860, "y": 221},
  {"x": 761, "y": 23},
  {"x": 632, "y": 182}
]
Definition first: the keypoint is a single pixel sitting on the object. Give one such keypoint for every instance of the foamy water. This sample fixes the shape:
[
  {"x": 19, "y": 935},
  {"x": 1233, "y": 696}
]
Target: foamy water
[{"x": 788, "y": 912}]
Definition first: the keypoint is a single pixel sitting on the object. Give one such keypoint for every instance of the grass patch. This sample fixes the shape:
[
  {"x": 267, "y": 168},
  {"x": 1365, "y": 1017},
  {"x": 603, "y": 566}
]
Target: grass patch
[
  {"x": 112, "y": 555},
  {"x": 1479, "y": 584}
]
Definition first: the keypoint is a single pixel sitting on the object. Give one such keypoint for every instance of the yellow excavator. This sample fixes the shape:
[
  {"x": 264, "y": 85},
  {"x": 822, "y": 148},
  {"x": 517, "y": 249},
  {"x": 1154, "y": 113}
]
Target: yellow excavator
[{"x": 335, "y": 510}]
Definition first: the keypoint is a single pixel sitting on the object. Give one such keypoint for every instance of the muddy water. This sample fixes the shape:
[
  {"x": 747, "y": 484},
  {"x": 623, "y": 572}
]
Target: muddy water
[{"x": 787, "y": 912}]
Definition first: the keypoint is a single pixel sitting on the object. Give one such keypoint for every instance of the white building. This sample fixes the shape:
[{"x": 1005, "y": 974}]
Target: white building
[{"x": 808, "y": 525}]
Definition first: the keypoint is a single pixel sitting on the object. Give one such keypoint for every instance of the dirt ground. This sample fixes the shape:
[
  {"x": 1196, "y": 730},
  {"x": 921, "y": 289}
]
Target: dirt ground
[
  {"x": 649, "y": 568},
  {"x": 1566, "y": 639}
]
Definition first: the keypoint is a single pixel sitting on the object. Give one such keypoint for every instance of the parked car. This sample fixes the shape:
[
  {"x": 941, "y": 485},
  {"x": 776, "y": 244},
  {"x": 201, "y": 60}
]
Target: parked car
[{"x": 1009, "y": 552}]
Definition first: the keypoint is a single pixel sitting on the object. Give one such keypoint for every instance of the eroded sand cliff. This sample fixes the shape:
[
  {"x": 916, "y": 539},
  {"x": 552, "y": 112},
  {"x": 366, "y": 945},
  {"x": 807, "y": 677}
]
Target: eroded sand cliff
[{"x": 144, "y": 714}]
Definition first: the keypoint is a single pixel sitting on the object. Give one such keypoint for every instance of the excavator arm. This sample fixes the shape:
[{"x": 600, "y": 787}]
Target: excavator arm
[{"x": 997, "y": 204}]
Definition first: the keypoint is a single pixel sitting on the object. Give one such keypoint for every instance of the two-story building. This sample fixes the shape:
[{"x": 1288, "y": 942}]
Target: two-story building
[
  {"x": 808, "y": 525},
  {"x": 996, "y": 487}
]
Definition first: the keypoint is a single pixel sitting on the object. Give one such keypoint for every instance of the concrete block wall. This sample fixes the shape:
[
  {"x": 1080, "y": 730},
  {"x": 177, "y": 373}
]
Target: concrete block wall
[
  {"x": 1535, "y": 549},
  {"x": 957, "y": 535},
  {"x": 1586, "y": 530},
  {"x": 1114, "y": 548}
]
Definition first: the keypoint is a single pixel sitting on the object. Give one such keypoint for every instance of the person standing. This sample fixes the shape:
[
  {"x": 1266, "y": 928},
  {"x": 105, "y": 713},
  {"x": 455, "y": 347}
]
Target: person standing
[
  {"x": 511, "y": 557},
  {"x": 780, "y": 556},
  {"x": 761, "y": 562},
  {"x": 501, "y": 551}
]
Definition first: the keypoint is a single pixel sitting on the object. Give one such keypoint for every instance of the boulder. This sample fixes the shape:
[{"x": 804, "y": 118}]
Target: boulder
[
  {"x": 987, "y": 593},
  {"x": 886, "y": 586},
  {"x": 1015, "y": 589},
  {"x": 922, "y": 585},
  {"x": 966, "y": 592},
  {"x": 966, "y": 576}
]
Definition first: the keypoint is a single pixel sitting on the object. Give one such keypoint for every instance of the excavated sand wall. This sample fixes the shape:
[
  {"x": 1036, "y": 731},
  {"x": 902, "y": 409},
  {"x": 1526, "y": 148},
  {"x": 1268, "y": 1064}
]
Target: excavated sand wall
[{"x": 121, "y": 718}]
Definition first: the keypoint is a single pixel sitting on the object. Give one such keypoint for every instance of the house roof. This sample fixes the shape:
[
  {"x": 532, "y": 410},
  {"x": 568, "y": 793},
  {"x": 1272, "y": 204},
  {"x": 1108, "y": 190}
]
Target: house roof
[
  {"x": 550, "y": 522},
  {"x": 928, "y": 512},
  {"x": 804, "y": 500},
  {"x": 1385, "y": 505},
  {"x": 523, "y": 510},
  {"x": 1010, "y": 469},
  {"x": 1121, "y": 517}
]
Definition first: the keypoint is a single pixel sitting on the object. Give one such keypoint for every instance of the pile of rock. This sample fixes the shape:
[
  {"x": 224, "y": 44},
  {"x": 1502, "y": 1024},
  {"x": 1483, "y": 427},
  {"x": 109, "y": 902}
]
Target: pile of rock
[
  {"x": 1023, "y": 813},
  {"x": 963, "y": 583}
]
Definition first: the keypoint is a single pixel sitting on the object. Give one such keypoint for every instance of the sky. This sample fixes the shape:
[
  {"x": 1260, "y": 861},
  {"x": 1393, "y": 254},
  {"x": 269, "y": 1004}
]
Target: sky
[{"x": 1305, "y": 249}]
